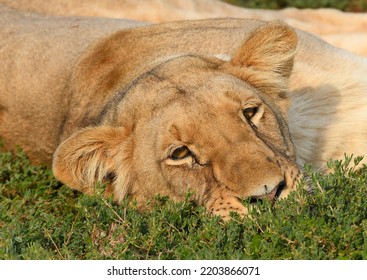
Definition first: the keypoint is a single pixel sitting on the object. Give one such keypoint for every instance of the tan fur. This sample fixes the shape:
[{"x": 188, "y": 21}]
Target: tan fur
[
  {"x": 110, "y": 101},
  {"x": 341, "y": 29}
]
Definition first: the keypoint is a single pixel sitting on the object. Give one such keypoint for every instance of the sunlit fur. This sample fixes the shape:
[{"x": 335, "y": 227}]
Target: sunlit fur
[
  {"x": 345, "y": 30},
  {"x": 107, "y": 100}
]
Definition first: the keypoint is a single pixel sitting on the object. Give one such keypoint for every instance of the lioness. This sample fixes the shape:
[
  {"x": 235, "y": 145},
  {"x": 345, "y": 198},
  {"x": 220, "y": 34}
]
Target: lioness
[{"x": 201, "y": 106}]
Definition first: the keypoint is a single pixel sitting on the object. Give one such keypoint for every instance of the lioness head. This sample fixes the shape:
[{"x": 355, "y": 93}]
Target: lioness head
[{"x": 195, "y": 124}]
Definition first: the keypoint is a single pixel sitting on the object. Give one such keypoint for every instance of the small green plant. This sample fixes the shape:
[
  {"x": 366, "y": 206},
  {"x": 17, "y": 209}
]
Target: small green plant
[{"x": 42, "y": 219}]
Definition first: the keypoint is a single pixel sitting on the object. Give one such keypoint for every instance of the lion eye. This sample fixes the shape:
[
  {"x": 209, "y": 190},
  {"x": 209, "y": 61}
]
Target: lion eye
[
  {"x": 180, "y": 153},
  {"x": 249, "y": 113}
]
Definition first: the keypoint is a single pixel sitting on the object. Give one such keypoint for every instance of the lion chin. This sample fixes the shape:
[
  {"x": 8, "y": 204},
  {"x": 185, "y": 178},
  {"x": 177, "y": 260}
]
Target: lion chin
[{"x": 168, "y": 109}]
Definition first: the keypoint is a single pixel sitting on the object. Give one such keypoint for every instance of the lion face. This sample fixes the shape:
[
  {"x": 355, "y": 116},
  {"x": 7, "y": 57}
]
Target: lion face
[{"x": 195, "y": 124}]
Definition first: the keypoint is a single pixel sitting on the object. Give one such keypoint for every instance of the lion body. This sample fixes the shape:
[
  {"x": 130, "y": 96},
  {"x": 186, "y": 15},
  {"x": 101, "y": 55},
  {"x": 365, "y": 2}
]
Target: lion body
[
  {"x": 24, "y": 85},
  {"x": 63, "y": 78},
  {"x": 341, "y": 29}
]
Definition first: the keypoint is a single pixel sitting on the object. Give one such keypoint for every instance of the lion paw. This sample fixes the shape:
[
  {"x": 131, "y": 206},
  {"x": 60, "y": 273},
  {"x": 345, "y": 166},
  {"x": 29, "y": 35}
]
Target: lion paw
[{"x": 224, "y": 206}]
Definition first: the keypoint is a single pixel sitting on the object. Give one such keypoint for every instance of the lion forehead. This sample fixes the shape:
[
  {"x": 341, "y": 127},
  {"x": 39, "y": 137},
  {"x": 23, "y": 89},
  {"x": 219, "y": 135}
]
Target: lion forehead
[{"x": 182, "y": 79}]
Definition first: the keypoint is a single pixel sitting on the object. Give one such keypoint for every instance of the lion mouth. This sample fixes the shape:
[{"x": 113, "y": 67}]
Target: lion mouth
[
  {"x": 281, "y": 186},
  {"x": 273, "y": 195}
]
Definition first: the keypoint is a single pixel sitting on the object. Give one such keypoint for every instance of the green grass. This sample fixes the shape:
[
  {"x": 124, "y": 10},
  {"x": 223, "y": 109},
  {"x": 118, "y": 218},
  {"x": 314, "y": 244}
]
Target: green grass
[
  {"x": 42, "y": 219},
  {"x": 344, "y": 5}
]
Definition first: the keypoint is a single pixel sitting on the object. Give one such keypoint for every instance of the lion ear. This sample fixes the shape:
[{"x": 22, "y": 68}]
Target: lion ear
[
  {"x": 96, "y": 154},
  {"x": 265, "y": 60}
]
